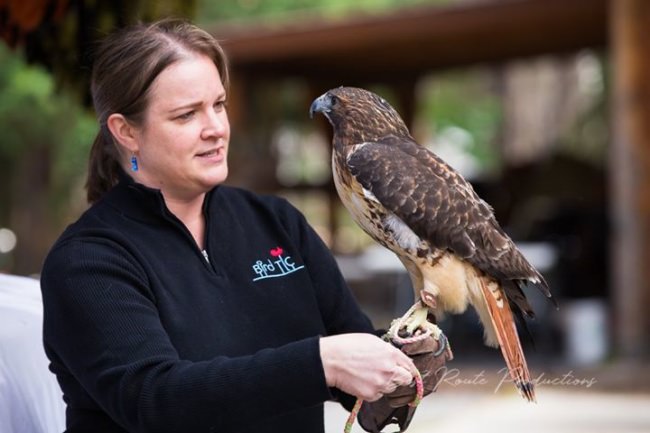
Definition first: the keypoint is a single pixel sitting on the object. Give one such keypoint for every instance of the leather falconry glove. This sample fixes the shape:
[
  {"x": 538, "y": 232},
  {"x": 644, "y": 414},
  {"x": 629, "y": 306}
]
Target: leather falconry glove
[{"x": 429, "y": 356}]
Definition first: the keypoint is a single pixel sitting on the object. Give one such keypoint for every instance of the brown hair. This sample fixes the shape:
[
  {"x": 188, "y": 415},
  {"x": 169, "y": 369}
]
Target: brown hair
[{"x": 126, "y": 64}]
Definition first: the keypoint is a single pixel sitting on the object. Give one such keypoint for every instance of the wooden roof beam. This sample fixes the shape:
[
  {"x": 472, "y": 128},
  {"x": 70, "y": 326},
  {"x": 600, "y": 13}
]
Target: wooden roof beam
[{"x": 418, "y": 40}]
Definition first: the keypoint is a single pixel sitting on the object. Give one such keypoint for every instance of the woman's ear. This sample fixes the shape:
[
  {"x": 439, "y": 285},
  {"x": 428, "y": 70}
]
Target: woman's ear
[{"x": 125, "y": 133}]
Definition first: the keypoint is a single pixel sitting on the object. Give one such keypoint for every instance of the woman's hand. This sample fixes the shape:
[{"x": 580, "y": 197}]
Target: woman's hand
[{"x": 364, "y": 365}]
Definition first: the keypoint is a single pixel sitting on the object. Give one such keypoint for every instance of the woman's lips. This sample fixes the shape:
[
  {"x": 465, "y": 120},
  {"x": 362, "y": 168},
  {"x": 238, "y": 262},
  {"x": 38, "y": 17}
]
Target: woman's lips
[{"x": 215, "y": 155}]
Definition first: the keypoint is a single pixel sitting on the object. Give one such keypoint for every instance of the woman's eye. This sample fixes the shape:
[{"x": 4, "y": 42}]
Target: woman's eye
[
  {"x": 187, "y": 115},
  {"x": 220, "y": 105}
]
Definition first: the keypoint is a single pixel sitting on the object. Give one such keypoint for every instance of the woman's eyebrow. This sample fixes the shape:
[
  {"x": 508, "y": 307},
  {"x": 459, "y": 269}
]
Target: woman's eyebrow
[
  {"x": 186, "y": 106},
  {"x": 196, "y": 104}
]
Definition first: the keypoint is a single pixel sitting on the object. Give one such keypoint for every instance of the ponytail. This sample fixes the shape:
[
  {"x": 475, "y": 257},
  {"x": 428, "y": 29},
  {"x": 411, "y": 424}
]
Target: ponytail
[{"x": 103, "y": 166}]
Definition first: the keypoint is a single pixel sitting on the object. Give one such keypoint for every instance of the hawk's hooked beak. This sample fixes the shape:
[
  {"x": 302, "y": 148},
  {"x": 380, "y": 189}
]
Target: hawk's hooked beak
[{"x": 322, "y": 104}]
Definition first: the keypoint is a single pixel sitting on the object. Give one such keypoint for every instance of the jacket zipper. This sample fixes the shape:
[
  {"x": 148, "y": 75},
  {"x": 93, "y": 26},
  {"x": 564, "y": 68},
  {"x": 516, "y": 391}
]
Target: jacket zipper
[{"x": 202, "y": 252}]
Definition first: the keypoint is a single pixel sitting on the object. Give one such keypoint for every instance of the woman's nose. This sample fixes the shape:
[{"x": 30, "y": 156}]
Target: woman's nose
[{"x": 216, "y": 125}]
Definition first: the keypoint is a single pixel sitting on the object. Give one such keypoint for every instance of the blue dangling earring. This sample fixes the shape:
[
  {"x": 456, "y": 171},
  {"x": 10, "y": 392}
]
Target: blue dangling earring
[{"x": 134, "y": 163}]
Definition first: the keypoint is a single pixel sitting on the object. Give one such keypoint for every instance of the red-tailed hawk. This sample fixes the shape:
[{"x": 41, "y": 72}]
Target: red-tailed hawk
[{"x": 413, "y": 203}]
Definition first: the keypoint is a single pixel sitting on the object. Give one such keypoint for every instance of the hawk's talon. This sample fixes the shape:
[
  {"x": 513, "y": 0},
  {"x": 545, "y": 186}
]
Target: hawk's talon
[{"x": 443, "y": 345}]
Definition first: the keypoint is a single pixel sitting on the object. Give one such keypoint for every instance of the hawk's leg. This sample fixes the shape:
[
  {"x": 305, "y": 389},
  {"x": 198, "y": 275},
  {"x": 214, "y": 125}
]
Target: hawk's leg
[{"x": 418, "y": 318}]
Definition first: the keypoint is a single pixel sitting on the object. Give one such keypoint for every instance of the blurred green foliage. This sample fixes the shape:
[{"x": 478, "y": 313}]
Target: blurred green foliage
[
  {"x": 209, "y": 11},
  {"x": 36, "y": 122},
  {"x": 588, "y": 137},
  {"x": 465, "y": 99}
]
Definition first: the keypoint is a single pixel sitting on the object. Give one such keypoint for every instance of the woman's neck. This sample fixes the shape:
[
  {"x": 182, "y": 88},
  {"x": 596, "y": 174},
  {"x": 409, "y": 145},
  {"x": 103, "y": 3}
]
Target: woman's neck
[{"x": 190, "y": 212}]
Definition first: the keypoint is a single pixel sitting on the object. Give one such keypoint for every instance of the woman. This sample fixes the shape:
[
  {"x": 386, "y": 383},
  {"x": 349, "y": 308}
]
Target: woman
[{"x": 178, "y": 304}]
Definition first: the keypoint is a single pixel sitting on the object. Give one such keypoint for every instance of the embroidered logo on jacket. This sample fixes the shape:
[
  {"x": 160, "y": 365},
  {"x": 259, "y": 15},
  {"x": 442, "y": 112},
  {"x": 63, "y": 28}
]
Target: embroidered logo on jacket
[{"x": 277, "y": 266}]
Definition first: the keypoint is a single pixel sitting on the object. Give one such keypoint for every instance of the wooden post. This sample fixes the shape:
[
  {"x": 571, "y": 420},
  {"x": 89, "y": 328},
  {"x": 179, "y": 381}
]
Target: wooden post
[{"x": 630, "y": 176}]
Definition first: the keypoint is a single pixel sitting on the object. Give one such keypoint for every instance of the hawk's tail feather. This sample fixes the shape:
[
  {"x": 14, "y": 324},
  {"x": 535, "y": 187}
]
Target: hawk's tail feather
[
  {"x": 506, "y": 331},
  {"x": 521, "y": 321},
  {"x": 515, "y": 294},
  {"x": 519, "y": 306}
]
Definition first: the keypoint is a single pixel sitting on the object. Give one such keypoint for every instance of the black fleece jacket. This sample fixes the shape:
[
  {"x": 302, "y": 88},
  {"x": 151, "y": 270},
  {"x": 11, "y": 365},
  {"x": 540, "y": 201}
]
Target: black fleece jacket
[{"x": 147, "y": 333}]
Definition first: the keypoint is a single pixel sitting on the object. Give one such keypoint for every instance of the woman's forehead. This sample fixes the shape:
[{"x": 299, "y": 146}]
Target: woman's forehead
[{"x": 191, "y": 79}]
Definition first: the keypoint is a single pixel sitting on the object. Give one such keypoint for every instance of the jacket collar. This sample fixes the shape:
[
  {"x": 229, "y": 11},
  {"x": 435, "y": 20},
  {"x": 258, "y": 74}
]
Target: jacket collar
[{"x": 140, "y": 202}]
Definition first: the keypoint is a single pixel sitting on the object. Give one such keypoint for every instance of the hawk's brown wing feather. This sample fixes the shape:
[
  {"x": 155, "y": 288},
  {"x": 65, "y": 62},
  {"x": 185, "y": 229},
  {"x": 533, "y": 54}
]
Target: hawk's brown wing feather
[{"x": 438, "y": 205}]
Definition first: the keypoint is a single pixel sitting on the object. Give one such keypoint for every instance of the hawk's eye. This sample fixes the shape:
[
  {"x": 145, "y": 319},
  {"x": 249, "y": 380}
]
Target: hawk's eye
[{"x": 333, "y": 100}]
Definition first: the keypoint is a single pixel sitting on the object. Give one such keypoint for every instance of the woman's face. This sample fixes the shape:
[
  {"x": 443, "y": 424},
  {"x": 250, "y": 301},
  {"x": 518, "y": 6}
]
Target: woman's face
[{"x": 183, "y": 142}]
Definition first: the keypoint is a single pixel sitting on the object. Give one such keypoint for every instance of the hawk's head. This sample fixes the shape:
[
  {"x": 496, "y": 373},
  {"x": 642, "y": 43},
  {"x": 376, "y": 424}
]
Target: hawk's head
[{"x": 358, "y": 114}]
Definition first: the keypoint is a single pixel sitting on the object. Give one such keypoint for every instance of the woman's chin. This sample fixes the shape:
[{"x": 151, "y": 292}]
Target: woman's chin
[{"x": 216, "y": 177}]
